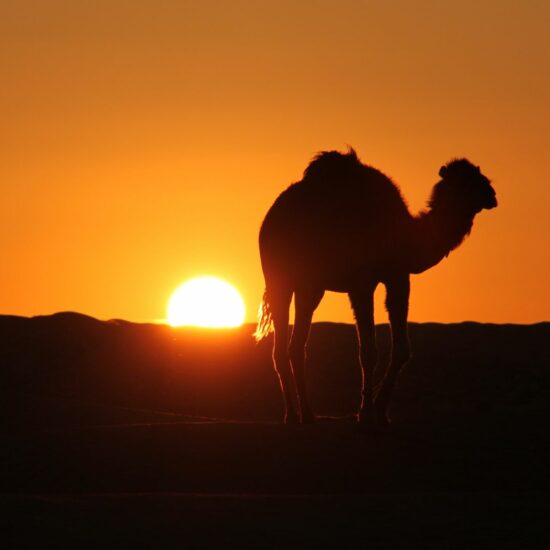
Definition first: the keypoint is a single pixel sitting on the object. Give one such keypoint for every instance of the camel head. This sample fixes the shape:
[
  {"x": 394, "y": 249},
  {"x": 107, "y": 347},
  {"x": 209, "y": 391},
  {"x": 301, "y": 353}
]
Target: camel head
[{"x": 462, "y": 188}]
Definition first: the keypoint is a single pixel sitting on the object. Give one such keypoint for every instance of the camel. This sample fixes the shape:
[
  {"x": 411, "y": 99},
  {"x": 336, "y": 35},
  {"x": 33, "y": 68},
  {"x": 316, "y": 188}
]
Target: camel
[{"x": 345, "y": 227}]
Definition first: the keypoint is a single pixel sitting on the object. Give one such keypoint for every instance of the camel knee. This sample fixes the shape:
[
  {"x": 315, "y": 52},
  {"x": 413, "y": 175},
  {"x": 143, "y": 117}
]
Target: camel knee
[
  {"x": 280, "y": 355},
  {"x": 401, "y": 355},
  {"x": 281, "y": 358},
  {"x": 296, "y": 353}
]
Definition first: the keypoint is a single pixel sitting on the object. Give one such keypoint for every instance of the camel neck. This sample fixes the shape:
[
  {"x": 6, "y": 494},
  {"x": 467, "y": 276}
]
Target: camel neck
[{"x": 436, "y": 233}]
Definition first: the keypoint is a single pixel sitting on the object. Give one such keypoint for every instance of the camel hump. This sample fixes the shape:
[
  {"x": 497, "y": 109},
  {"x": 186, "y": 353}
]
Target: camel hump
[{"x": 329, "y": 165}]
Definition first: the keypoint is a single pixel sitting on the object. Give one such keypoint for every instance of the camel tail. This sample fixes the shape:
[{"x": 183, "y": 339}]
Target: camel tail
[{"x": 265, "y": 321}]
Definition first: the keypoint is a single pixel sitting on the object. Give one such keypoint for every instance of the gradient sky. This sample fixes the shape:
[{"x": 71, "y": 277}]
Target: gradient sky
[{"x": 143, "y": 141}]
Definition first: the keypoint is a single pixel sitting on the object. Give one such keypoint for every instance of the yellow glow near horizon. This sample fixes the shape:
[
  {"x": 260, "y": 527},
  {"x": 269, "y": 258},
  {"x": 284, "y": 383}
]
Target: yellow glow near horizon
[{"x": 206, "y": 302}]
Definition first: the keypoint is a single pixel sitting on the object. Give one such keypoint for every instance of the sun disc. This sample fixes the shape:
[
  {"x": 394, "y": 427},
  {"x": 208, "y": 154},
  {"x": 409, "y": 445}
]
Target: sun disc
[{"x": 206, "y": 302}]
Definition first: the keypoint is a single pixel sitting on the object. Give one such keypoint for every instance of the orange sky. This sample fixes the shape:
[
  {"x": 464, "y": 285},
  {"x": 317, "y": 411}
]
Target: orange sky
[{"x": 142, "y": 142}]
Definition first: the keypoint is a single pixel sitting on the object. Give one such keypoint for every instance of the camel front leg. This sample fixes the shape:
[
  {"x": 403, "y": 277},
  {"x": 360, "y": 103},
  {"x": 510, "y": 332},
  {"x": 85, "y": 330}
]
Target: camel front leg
[
  {"x": 363, "y": 308},
  {"x": 397, "y": 302}
]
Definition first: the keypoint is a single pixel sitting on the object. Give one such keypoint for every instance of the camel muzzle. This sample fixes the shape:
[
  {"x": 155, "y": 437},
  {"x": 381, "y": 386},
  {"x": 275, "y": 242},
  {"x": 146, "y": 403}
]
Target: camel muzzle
[{"x": 492, "y": 203}]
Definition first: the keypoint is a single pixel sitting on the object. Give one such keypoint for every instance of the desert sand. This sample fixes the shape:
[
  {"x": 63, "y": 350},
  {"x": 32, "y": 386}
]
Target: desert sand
[{"x": 115, "y": 433}]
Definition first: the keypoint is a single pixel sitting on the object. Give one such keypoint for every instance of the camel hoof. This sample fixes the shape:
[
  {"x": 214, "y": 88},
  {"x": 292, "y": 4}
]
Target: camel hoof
[
  {"x": 368, "y": 422},
  {"x": 382, "y": 417},
  {"x": 291, "y": 418},
  {"x": 368, "y": 429},
  {"x": 371, "y": 422},
  {"x": 384, "y": 421},
  {"x": 308, "y": 418}
]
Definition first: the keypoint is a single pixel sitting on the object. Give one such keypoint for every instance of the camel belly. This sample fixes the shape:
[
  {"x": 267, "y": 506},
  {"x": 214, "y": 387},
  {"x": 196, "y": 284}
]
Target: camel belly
[
  {"x": 322, "y": 268},
  {"x": 304, "y": 253}
]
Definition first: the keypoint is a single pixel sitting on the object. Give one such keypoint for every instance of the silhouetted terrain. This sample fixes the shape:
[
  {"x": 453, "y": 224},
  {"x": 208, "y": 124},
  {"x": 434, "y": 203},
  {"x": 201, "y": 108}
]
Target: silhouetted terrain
[
  {"x": 115, "y": 432},
  {"x": 72, "y": 369}
]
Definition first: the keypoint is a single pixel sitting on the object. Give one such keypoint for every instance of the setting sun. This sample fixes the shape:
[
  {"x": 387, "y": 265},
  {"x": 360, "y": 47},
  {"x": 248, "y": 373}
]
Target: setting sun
[{"x": 206, "y": 302}]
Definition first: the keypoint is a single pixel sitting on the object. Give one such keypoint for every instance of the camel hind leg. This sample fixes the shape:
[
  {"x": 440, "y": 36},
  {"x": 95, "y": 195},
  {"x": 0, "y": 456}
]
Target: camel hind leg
[
  {"x": 305, "y": 302},
  {"x": 279, "y": 303}
]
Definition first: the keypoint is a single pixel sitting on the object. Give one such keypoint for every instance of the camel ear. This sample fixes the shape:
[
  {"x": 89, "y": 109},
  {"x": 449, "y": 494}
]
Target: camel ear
[{"x": 443, "y": 171}]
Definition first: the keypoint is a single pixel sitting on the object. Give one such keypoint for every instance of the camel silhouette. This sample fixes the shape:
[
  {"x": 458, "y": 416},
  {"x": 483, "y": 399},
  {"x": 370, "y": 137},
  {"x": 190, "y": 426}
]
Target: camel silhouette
[{"x": 345, "y": 227}]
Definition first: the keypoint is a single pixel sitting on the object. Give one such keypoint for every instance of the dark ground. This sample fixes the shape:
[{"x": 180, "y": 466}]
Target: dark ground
[{"x": 111, "y": 436}]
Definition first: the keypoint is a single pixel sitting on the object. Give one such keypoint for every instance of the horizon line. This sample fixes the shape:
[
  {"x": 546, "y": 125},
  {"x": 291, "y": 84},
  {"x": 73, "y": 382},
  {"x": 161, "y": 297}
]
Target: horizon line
[{"x": 164, "y": 322}]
